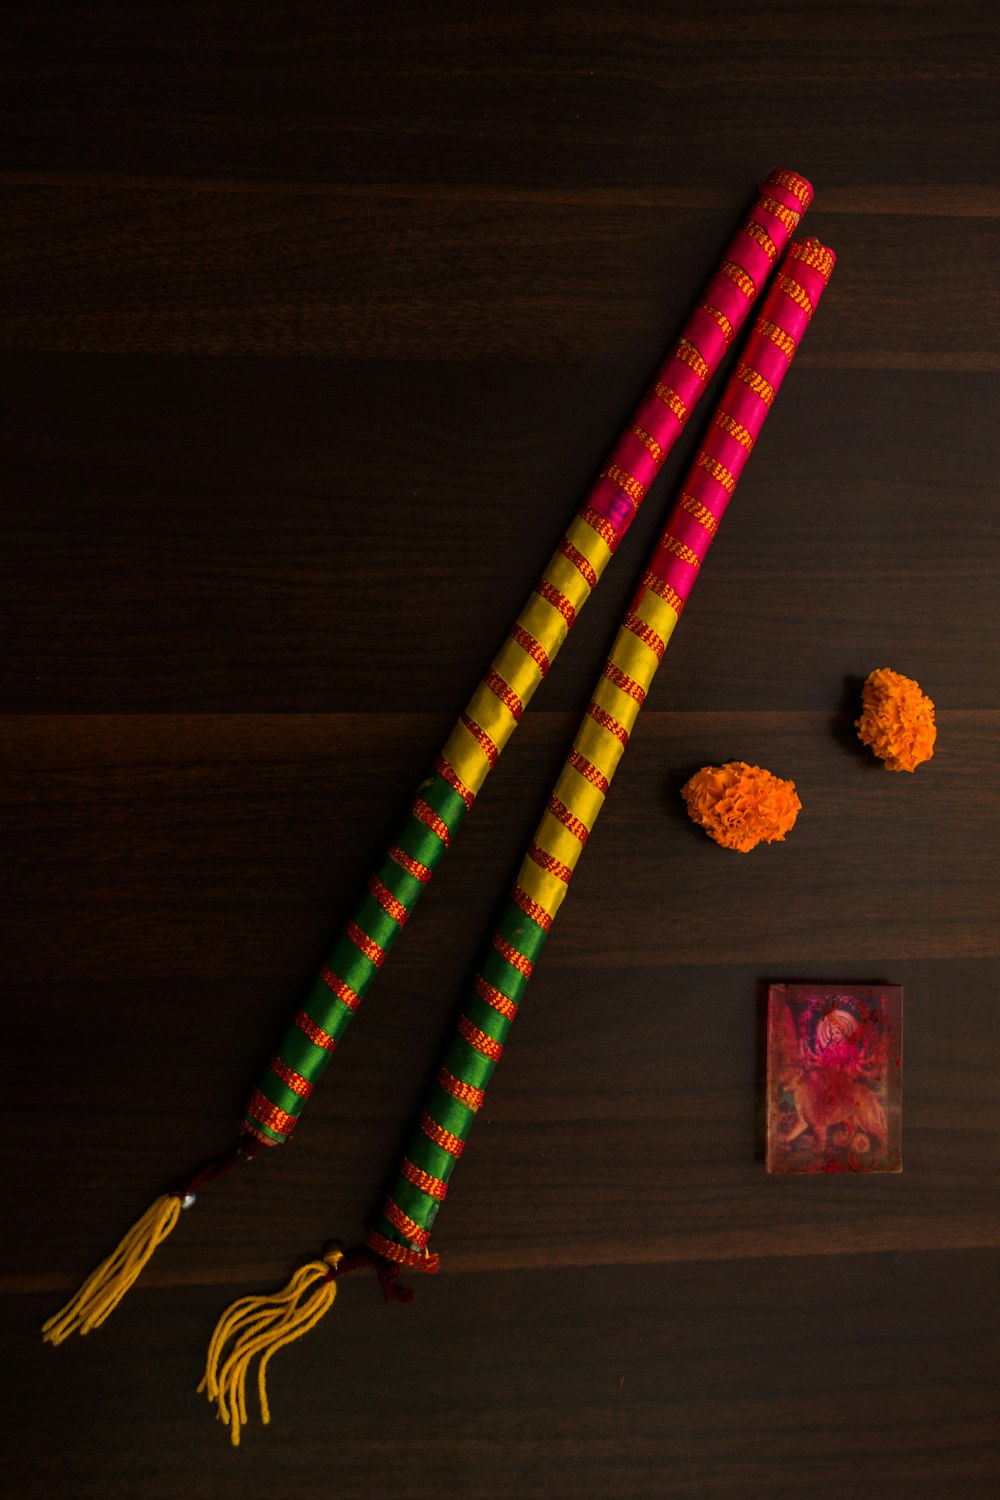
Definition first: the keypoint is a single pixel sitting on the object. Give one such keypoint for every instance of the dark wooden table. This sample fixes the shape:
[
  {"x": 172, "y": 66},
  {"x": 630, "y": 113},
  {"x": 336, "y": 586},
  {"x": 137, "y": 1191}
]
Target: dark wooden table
[{"x": 319, "y": 319}]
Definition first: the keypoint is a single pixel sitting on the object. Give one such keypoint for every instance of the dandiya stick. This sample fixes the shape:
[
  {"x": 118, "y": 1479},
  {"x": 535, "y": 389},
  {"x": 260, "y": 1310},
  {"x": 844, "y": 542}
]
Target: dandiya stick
[
  {"x": 258, "y": 1326},
  {"x": 496, "y": 706},
  {"x": 478, "y": 738},
  {"x": 580, "y": 791}
]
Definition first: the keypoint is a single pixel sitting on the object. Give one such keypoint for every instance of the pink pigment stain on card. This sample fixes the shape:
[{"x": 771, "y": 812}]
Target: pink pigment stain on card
[{"x": 834, "y": 1078}]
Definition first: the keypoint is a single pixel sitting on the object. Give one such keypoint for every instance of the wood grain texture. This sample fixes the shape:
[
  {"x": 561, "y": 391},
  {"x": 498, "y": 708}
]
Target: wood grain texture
[
  {"x": 393, "y": 276},
  {"x": 243, "y": 535},
  {"x": 541, "y": 95},
  {"x": 705, "y": 1380},
  {"x": 317, "y": 323}
]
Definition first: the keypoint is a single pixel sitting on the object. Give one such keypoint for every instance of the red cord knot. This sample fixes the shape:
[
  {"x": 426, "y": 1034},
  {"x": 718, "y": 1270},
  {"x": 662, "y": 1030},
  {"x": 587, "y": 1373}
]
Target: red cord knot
[
  {"x": 385, "y": 1270},
  {"x": 246, "y": 1148}
]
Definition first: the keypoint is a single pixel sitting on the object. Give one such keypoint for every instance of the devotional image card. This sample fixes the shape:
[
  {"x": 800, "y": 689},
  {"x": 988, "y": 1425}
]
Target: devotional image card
[{"x": 834, "y": 1078}]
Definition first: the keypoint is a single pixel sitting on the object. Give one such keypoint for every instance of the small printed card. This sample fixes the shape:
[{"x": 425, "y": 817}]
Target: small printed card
[{"x": 834, "y": 1077}]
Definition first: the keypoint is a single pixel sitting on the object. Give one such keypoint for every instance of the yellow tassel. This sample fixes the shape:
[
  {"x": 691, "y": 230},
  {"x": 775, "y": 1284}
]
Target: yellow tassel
[
  {"x": 105, "y": 1288},
  {"x": 261, "y": 1326}
]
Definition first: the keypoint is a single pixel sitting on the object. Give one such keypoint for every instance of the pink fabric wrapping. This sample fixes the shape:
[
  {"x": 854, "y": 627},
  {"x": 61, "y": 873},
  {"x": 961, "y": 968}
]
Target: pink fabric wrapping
[
  {"x": 663, "y": 412},
  {"x": 783, "y": 319}
]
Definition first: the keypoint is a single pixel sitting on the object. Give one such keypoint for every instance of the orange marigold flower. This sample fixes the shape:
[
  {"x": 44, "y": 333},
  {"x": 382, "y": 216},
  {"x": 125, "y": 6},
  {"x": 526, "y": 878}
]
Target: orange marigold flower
[
  {"x": 741, "y": 806},
  {"x": 897, "y": 720}
]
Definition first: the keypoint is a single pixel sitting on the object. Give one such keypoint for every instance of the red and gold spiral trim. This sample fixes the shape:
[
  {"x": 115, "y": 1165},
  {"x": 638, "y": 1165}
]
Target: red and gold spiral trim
[
  {"x": 505, "y": 693},
  {"x": 759, "y": 233},
  {"x": 453, "y": 1144},
  {"x": 412, "y": 866},
  {"x": 264, "y": 1112},
  {"x": 488, "y": 993},
  {"x": 760, "y": 387},
  {"x": 580, "y": 563},
  {"x": 701, "y": 513},
  {"x": 445, "y": 769},
  {"x": 514, "y": 956},
  {"x": 649, "y": 443},
  {"x": 413, "y": 1260},
  {"x": 465, "y": 1094},
  {"x": 722, "y": 322},
  {"x": 374, "y": 952},
  {"x": 718, "y": 471},
  {"x": 623, "y": 681},
  {"x": 389, "y": 903},
  {"x": 797, "y": 294},
  {"x": 343, "y": 991},
  {"x": 557, "y": 599},
  {"x": 794, "y": 184},
  {"x": 663, "y": 589},
  {"x": 290, "y": 1078},
  {"x": 488, "y": 748},
  {"x": 735, "y": 429},
  {"x": 778, "y": 337},
  {"x": 402, "y": 1221},
  {"x": 316, "y": 1034},
  {"x": 689, "y": 355},
  {"x": 434, "y": 1187},
  {"x": 549, "y": 862},
  {"x": 787, "y": 216},
  {"x": 531, "y": 909},
  {"x": 593, "y": 518},
  {"x": 740, "y": 278},
  {"x": 424, "y": 813},
  {"x": 568, "y": 819},
  {"x": 626, "y": 482},
  {"x": 588, "y": 770},
  {"x": 531, "y": 648},
  {"x": 479, "y": 1041},
  {"x": 812, "y": 253},
  {"x": 672, "y": 401},
  {"x": 607, "y": 721},
  {"x": 645, "y": 633},
  {"x": 681, "y": 550}
]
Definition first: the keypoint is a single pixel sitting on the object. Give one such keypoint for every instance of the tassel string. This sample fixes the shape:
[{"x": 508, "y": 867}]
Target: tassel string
[
  {"x": 106, "y": 1286},
  {"x": 246, "y": 1148},
  {"x": 385, "y": 1270},
  {"x": 256, "y": 1327}
]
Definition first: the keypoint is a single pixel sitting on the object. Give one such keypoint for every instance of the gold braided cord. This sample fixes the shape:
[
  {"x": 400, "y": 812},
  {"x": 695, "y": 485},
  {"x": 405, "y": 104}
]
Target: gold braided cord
[
  {"x": 797, "y": 293},
  {"x": 701, "y": 513},
  {"x": 734, "y": 429},
  {"x": 751, "y": 377},
  {"x": 812, "y": 253},
  {"x": 786, "y": 216},
  {"x": 759, "y": 233},
  {"x": 794, "y": 184}
]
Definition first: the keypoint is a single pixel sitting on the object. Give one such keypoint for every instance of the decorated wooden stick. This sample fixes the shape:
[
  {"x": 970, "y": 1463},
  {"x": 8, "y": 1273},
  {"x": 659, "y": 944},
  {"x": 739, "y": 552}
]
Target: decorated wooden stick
[
  {"x": 478, "y": 738},
  {"x": 542, "y": 882},
  {"x": 541, "y": 628},
  {"x": 457, "y": 1093}
]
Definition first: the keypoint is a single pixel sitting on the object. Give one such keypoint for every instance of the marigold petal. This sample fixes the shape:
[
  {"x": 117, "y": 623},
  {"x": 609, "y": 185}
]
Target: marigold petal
[
  {"x": 897, "y": 720},
  {"x": 741, "y": 806}
]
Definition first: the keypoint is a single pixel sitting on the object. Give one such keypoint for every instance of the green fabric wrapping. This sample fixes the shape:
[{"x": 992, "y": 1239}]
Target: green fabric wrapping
[
  {"x": 470, "y": 1067},
  {"x": 274, "y": 1105}
]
